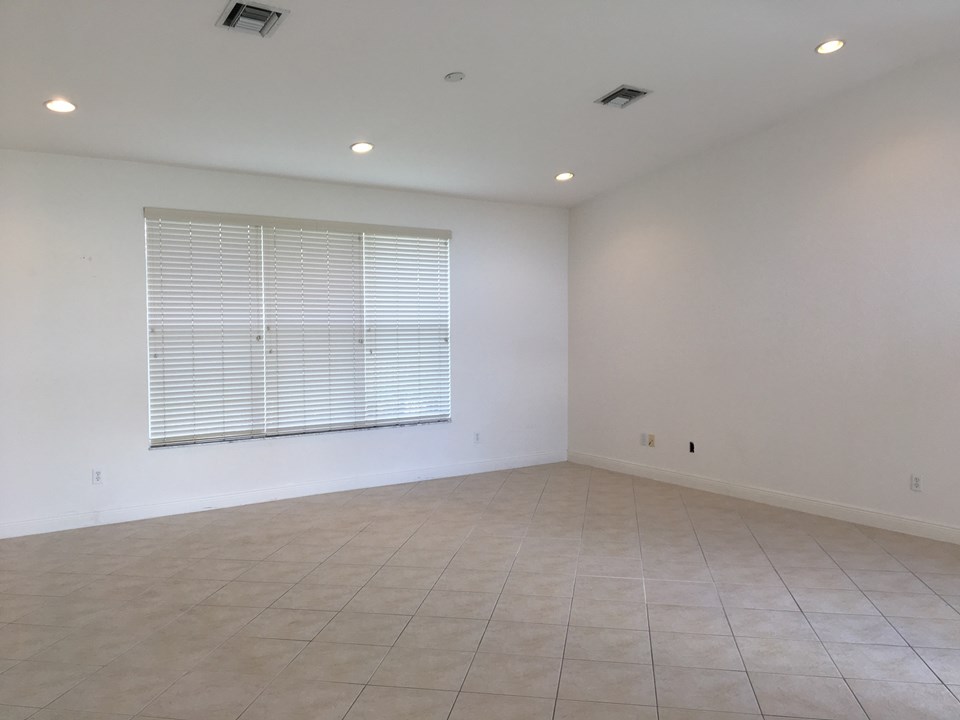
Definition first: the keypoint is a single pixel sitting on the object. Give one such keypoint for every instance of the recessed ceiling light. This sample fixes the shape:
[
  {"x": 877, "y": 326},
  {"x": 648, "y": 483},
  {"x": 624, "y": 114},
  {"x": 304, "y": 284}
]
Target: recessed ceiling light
[
  {"x": 830, "y": 46},
  {"x": 361, "y": 147},
  {"x": 454, "y": 77},
  {"x": 564, "y": 176},
  {"x": 59, "y": 105}
]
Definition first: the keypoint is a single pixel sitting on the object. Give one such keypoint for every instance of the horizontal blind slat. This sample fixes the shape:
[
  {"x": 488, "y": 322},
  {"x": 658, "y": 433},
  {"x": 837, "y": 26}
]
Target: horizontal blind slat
[{"x": 275, "y": 329}]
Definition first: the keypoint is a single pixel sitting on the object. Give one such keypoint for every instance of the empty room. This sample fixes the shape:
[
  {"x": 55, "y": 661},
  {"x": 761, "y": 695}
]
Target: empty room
[{"x": 500, "y": 360}]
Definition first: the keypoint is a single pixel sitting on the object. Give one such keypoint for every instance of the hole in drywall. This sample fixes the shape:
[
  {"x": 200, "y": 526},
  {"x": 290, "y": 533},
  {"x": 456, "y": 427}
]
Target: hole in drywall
[{"x": 691, "y": 446}]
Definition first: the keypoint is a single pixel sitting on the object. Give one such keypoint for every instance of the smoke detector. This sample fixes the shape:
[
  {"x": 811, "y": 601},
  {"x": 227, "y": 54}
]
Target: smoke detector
[
  {"x": 251, "y": 18},
  {"x": 622, "y": 96}
]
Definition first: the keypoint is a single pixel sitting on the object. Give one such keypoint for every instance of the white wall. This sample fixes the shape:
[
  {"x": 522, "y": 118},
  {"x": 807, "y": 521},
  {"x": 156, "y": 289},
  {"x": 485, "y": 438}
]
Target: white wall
[
  {"x": 73, "y": 338},
  {"x": 791, "y": 303}
]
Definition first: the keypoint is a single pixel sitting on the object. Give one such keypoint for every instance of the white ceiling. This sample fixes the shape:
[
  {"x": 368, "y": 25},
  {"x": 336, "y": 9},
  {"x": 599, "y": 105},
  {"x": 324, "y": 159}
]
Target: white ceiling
[{"x": 156, "y": 80}]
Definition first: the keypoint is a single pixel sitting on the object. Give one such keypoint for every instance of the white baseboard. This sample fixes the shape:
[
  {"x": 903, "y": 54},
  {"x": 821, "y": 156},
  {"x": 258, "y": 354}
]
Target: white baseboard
[
  {"x": 247, "y": 497},
  {"x": 825, "y": 508}
]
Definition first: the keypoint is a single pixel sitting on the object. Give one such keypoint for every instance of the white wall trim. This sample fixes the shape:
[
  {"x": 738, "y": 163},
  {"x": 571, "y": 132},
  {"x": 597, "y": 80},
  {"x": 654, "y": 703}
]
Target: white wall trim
[
  {"x": 825, "y": 508},
  {"x": 283, "y": 492}
]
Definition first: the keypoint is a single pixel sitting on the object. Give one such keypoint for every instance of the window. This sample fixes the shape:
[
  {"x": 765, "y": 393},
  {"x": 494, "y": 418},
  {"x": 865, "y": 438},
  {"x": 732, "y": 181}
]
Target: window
[{"x": 260, "y": 327}]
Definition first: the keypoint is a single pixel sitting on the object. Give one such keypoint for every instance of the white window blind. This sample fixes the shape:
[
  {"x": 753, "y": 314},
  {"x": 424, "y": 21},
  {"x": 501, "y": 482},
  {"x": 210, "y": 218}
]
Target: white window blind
[{"x": 265, "y": 326}]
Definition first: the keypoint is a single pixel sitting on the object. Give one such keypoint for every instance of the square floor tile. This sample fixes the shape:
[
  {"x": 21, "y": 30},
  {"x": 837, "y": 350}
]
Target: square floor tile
[
  {"x": 278, "y": 572},
  {"x": 926, "y": 632},
  {"x": 806, "y": 697},
  {"x": 532, "y": 608},
  {"x": 697, "y": 689},
  {"x": 124, "y": 691},
  {"x": 379, "y": 703},
  {"x": 549, "y": 584},
  {"x": 745, "y": 575},
  {"x": 423, "y": 668},
  {"x": 945, "y": 663},
  {"x": 942, "y": 584},
  {"x": 284, "y": 624},
  {"x": 293, "y": 696},
  {"x": 364, "y": 628},
  {"x": 825, "y": 578},
  {"x": 93, "y": 647},
  {"x": 450, "y": 603},
  {"x": 395, "y": 601},
  {"x": 880, "y": 662},
  {"x": 174, "y": 591},
  {"x": 617, "y": 589},
  {"x": 19, "y": 642},
  {"x": 252, "y": 656},
  {"x": 621, "y": 683},
  {"x": 592, "y": 612},
  {"x": 471, "y": 580},
  {"x": 770, "y": 624},
  {"x": 421, "y": 557},
  {"x": 712, "y": 652},
  {"x": 405, "y": 577},
  {"x": 610, "y": 567},
  {"x": 513, "y": 675},
  {"x": 678, "y": 714},
  {"x": 756, "y": 597},
  {"x": 442, "y": 633},
  {"x": 166, "y": 651},
  {"x": 37, "y": 684},
  {"x": 303, "y": 552},
  {"x": 360, "y": 555},
  {"x": 687, "y": 572},
  {"x": 885, "y": 581},
  {"x": 476, "y": 706},
  {"x": 670, "y": 592},
  {"x": 210, "y": 569},
  {"x": 207, "y": 696},
  {"x": 55, "y": 714},
  {"x": 211, "y": 620},
  {"x": 685, "y": 619},
  {"x": 607, "y": 645},
  {"x": 898, "y": 701},
  {"x": 844, "y": 602},
  {"x": 12, "y": 712},
  {"x": 579, "y": 710},
  {"x": 316, "y": 597},
  {"x": 338, "y": 663},
  {"x": 791, "y": 657},
  {"x": 248, "y": 594},
  {"x": 342, "y": 575},
  {"x": 913, "y": 605},
  {"x": 868, "y": 629},
  {"x": 524, "y": 639},
  {"x": 14, "y": 607}
]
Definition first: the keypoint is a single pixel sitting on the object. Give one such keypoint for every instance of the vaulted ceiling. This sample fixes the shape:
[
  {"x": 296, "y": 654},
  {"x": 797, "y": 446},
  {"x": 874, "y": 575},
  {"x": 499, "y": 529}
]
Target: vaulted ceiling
[{"x": 158, "y": 81}]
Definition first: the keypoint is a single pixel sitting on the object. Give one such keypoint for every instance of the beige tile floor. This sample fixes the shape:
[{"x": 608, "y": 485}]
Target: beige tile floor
[{"x": 546, "y": 592}]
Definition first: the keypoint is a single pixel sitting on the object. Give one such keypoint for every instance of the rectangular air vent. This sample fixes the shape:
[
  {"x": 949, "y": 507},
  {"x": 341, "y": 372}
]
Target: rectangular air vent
[
  {"x": 252, "y": 18},
  {"x": 622, "y": 96}
]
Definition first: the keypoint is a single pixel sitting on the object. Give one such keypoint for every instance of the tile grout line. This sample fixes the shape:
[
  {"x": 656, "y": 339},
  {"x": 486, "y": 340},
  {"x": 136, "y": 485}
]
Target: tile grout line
[
  {"x": 800, "y": 608},
  {"x": 723, "y": 607}
]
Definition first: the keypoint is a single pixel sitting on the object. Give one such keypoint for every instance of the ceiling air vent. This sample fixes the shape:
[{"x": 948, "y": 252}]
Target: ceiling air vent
[
  {"x": 622, "y": 96},
  {"x": 260, "y": 19}
]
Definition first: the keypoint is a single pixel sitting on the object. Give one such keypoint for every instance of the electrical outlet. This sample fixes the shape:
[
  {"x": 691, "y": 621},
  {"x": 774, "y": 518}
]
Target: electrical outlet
[
  {"x": 651, "y": 440},
  {"x": 915, "y": 484},
  {"x": 96, "y": 477}
]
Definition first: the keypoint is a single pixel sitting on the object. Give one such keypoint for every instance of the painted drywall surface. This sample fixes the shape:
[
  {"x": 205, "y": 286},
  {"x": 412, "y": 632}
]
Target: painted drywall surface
[
  {"x": 790, "y": 303},
  {"x": 73, "y": 329}
]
